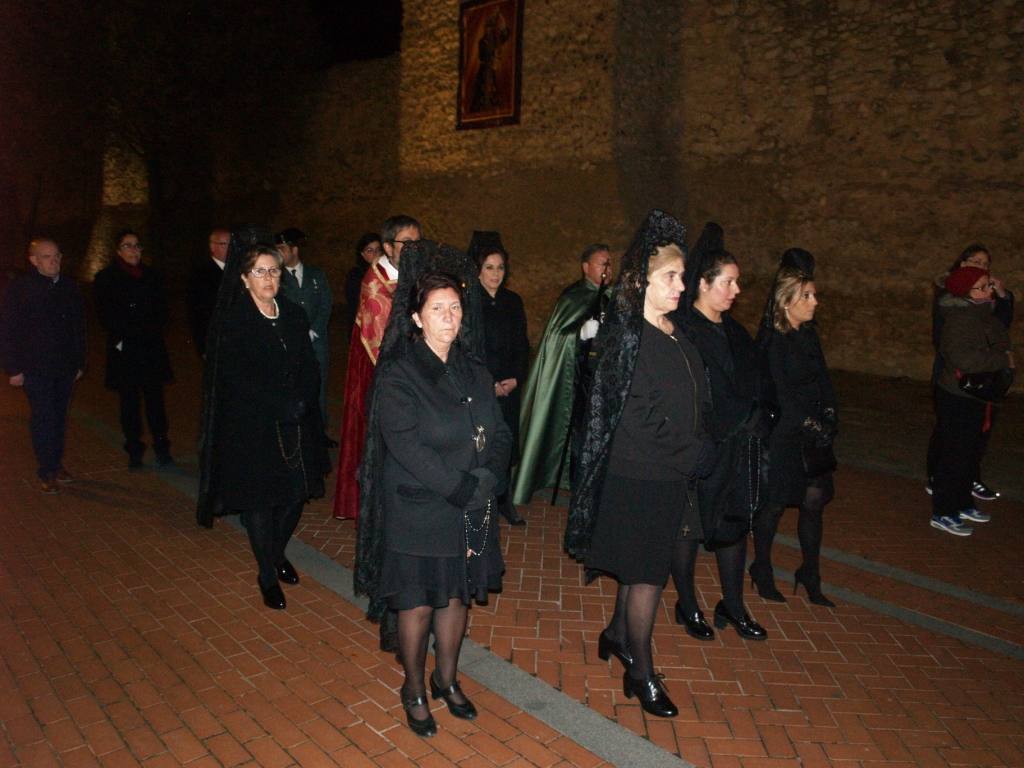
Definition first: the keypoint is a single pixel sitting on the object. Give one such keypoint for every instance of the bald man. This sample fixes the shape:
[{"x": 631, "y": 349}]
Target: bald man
[
  {"x": 42, "y": 348},
  {"x": 203, "y": 284}
]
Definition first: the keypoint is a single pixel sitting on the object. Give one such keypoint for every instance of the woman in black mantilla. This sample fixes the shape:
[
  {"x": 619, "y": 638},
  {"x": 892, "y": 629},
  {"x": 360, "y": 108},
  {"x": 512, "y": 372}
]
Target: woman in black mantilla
[
  {"x": 437, "y": 452},
  {"x": 644, "y": 447},
  {"x": 508, "y": 348},
  {"x": 262, "y": 451},
  {"x": 730, "y": 495},
  {"x": 800, "y": 446}
]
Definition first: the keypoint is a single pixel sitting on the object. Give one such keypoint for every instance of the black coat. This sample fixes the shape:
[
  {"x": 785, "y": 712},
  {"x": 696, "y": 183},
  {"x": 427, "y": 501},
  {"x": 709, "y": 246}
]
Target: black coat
[
  {"x": 268, "y": 388},
  {"x": 133, "y": 312},
  {"x": 508, "y": 349},
  {"x": 729, "y": 496},
  {"x": 201, "y": 297},
  {"x": 802, "y": 390},
  {"x": 428, "y": 412},
  {"x": 42, "y": 327}
]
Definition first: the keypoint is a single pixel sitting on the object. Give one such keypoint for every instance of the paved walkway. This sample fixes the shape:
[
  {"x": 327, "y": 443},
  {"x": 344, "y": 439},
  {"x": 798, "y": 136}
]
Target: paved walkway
[{"x": 130, "y": 636}]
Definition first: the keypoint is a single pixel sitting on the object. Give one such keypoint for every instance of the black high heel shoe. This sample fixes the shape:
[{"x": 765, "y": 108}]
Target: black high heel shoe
[
  {"x": 465, "y": 711},
  {"x": 763, "y": 580},
  {"x": 607, "y": 647},
  {"x": 696, "y": 625},
  {"x": 746, "y": 627},
  {"x": 812, "y": 583},
  {"x": 273, "y": 597},
  {"x": 652, "y": 695},
  {"x": 286, "y": 572},
  {"x": 427, "y": 726}
]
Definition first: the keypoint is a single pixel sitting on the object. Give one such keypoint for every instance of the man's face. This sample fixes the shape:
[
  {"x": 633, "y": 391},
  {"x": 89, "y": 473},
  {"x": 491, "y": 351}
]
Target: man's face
[
  {"x": 289, "y": 254},
  {"x": 45, "y": 257},
  {"x": 130, "y": 249},
  {"x": 219, "y": 245},
  {"x": 404, "y": 236},
  {"x": 598, "y": 267}
]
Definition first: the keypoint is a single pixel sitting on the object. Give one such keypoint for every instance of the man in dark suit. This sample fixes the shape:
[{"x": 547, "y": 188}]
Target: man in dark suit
[
  {"x": 203, "y": 285},
  {"x": 42, "y": 347},
  {"x": 307, "y": 286}
]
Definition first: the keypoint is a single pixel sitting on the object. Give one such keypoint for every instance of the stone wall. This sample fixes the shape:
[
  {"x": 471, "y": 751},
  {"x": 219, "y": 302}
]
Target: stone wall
[{"x": 882, "y": 136}]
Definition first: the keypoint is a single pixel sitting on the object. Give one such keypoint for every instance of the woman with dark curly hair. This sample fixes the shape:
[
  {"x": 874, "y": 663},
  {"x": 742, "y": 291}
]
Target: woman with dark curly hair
[{"x": 645, "y": 444}]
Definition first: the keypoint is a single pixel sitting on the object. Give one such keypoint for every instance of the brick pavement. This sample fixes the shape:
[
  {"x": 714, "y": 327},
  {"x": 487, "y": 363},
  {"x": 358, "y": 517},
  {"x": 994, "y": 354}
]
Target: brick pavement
[{"x": 109, "y": 658}]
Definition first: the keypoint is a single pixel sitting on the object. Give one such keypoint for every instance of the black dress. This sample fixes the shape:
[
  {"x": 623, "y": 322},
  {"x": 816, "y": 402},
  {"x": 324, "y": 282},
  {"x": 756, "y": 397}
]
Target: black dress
[
  {"x": 430, "y": 412},
  {"x": 268, "y": 441},
  {"x": 648, "y": 500},
  {"x": 508, "y": 350},
  {"x": 803, "y": 390},
  {"x": 731, "y": 494}
]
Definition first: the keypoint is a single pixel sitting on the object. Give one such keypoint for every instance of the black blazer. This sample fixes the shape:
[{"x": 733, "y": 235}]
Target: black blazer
[
  {"x": 133, "y": 312},
  {"x": 803, "y": 390},
  {"x": 203, "y": 285},
  {"x": 428, "y": 412},
  {"x": 268, "y": 382},
  {"x": 42, "y": 327}
]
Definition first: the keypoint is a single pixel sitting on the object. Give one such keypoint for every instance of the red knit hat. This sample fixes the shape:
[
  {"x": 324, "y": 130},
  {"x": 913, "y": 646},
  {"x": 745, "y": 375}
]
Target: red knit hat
[{"x": 962, "y": 279}]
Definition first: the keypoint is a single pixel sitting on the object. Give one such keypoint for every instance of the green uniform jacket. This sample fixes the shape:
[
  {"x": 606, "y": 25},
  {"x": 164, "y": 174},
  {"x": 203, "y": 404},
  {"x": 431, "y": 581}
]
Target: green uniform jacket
[{"x": 548, "y": 397}]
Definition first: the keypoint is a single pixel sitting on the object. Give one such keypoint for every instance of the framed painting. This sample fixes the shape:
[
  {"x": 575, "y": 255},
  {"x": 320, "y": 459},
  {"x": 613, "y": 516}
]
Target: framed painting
[{"x": 490, "y": 63}]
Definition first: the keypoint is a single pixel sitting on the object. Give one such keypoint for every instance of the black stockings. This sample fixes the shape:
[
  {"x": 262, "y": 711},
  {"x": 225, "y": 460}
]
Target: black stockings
[
  {"x": 414, "y": 625},
  {"x": 731, "y": 561},
  {"x": 636, "y": 606},
  {"x": 809, "y": 529}
]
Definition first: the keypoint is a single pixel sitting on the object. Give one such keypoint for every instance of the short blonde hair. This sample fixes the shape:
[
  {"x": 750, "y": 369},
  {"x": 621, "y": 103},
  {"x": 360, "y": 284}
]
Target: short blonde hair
[
  {"x": 788, "y": 285},
  {"x": 662, "y": 255}
]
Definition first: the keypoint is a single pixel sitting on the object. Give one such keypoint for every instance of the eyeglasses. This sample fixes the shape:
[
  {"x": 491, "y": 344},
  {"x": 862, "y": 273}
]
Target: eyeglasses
[
  {"x": 272, "y": 272},
  {"x": 131, "y": 246},
  {"x": 984, "y": 288},
  {"x": 372, "y": 249},
  {"x": 405, "y": 242}
]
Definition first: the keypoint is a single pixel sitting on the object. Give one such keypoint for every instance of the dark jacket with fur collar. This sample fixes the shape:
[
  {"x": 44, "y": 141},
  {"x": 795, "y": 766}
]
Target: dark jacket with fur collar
[{"x": 973, "y": 340}]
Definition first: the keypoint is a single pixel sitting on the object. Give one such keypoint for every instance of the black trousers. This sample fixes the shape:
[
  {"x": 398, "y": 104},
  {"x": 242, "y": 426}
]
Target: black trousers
[
  {"x": 48, "y": 400},
  {"x": 132, "y": 396},
  {"x": 933, "y": 443},
  {"x": 959, "y": 444},
  {"x": 270, "y": 529}
]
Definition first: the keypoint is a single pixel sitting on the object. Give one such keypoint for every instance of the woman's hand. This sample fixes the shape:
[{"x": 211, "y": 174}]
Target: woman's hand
[{"x": 999, "y": 288}]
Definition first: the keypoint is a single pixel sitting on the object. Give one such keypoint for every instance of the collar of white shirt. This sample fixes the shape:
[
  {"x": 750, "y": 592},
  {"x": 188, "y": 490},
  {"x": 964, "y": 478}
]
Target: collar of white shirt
[{"x": 389, "y": 269}]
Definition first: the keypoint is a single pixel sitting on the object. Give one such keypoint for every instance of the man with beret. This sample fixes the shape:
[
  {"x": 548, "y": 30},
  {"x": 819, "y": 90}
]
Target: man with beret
[
  {"x": 307, "y": 286},
  {"x": 42, "y": 347}
]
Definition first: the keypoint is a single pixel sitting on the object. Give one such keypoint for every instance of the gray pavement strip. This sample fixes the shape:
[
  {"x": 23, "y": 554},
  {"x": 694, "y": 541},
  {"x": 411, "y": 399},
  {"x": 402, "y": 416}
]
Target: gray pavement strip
[
  {"x": 909, "y": 577},
  {"x": 591, "y": 730}
]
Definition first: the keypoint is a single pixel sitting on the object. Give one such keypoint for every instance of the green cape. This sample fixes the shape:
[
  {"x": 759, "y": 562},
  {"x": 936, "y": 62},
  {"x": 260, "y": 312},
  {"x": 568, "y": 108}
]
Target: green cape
[{"x": 548, "y": 397}]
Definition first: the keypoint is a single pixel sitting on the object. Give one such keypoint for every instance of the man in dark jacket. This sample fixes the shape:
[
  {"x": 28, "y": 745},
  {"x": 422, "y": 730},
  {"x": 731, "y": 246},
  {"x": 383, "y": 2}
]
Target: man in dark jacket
[
  {"x": 132, "y": 308},
  {"x": 307, "y": 286},
  {"x": 203, "y": 285},
  {"x": 42, "y": 347}
]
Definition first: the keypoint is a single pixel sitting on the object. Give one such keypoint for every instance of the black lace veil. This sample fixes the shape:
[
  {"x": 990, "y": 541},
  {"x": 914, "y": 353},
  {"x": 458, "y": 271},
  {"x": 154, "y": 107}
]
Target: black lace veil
[
  {"x": 792, "y": 258},
  {"x": 231, "y": 291},
  {"x": 710, "y": 243},
  {"x": 618, "y": 343},
  {"x": 417, "y": 258}
]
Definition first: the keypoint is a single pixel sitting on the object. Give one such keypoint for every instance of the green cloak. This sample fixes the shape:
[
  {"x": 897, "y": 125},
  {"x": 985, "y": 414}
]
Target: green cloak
[{"x": 548, "y": 397}]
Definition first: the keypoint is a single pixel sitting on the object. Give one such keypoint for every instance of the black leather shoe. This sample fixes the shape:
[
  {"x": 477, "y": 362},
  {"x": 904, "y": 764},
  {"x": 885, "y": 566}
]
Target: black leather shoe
[
  {"x": 651, "y": 693},
  {"x": 811, "y": 579},
  {"x": 607, "y": 647},
  {"x": 696, "y": 625},
  {"x": 465, "y": 711},
  {"x": 330, "y": 442},
  {"x": 273, "y": 597},
  {"x": 514, "y": 519},
  {"x": 746, "y": 627},
  {"x": 425, "y": 727},
  {"x": 286, "y": 572}
]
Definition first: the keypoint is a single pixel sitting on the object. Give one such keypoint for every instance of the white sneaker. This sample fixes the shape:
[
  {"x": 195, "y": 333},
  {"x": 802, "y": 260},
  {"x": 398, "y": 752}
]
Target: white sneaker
[
  {"x": 975, "y": 515},
  {"x": 951, "y": 525}
]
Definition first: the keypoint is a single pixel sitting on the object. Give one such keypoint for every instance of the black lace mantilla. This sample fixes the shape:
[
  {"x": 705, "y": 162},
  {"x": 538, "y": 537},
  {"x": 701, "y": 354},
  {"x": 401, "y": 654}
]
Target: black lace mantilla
[
  {"x": 618, "y": 343},
  {"x": 417, "y": 258}
]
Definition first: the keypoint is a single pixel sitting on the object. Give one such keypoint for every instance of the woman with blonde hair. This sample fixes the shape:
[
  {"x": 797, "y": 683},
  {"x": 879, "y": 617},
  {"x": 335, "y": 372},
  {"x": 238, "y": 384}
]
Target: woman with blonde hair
[{"x": 801, "y": 460}]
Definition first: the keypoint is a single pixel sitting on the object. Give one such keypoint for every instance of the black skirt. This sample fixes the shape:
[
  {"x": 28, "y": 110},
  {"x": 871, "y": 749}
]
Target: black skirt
[
  {"x": 638, "y": 525},
  {"x": 411, "y": 581}
]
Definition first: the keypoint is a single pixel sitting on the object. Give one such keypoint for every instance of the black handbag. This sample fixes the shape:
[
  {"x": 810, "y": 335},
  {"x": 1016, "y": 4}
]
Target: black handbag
[
  {"x": 987, "y": 385},
  {"x": 817, "y": 454}
]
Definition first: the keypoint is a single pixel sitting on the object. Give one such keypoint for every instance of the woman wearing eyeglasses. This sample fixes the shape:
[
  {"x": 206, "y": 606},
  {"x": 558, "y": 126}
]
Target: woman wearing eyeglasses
[
  {"x": 265, "y": 433},
  {"x": 132, "y": 308},
  {"x": 368, "y": 250}
]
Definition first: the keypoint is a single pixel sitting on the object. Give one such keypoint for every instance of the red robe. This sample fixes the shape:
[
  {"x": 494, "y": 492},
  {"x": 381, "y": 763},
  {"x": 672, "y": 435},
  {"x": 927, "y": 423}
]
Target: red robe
[{"x": 367, "y": 333}]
